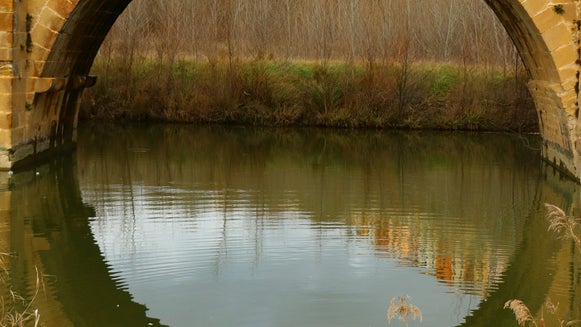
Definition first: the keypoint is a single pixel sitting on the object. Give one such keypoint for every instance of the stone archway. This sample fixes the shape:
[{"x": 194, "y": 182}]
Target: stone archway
[{"x": 47, "y": 48}]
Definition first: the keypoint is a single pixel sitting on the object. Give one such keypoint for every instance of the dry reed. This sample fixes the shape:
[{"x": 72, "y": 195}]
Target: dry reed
[
  {"x": 551, "y": 307},
  {"x": 15, "y": 310},
  {"x": 400, "y": 308},
  {"x": 565, "y": 226},
  {"x": 521, "y": 312}
]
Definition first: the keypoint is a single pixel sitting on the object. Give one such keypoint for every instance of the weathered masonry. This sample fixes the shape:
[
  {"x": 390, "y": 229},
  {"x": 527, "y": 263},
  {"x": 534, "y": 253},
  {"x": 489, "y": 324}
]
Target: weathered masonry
[{"x": 47, "y": 48}]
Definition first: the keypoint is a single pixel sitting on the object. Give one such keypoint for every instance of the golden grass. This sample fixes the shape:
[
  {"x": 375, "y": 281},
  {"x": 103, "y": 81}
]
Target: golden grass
[
  {"x": 551, "y": 307},
  {"x": 400, "y": 308},
  {"x": 566, "y": 227},
  {"x": 521, "y": 312}
]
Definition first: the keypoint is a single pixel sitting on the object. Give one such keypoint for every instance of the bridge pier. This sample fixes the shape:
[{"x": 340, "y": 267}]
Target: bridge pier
[
  {"x": 38, "y": 108},
  {"x": 557, "y": 112},
  {"x": 41, "y": 116}
]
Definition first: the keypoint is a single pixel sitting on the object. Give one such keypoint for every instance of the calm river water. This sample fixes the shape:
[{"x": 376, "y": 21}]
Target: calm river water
[{"x": 213, "y": 226}]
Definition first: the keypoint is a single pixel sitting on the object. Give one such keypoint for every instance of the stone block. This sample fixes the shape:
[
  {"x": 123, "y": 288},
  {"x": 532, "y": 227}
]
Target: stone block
[
  {"x": 40, "y": 84},
  {"x": 5, "y": 198},
  {"x": 5, "y": 102},
  {"x": 6, "y": 20},
  {"x": 51, "y": 20},
  {"x": 548, "y": 12},
  {"x": 43, "y": 36},
  {"x": 569, "y": 98},
  {"x": 534, "y": 6},
  {"x": 570, "y": 83},
  {"x": 6, "y": 85},
  {"x": 37, "y": 67},
  {"x": 6, "y": 120},
  {"x": 5, "y": 164},
  {"x": 6, "y": 39},
  {"x": 39, "y": 52},
  {"x": 5, "y": 138},
  {"x": 6, "y": 6},
  {"x": 565, "y": 55},
  {"x": 62, "y": 7},
  {"x": 35, "y": 7},
  {"x": 568, "y": 72},
  {"x": 558, "y": 36},
  {"x": 546, "y": 19},
  {"x": 6, "y": 54},
  {"x": 569, "y": 11},
  {"x": 18, "y": 119},
  {"x": 17, "y": 136}
]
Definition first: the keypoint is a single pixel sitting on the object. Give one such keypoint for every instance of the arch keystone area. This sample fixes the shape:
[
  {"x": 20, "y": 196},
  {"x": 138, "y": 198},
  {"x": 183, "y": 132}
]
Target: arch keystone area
[{"x": 47, "y": 48}]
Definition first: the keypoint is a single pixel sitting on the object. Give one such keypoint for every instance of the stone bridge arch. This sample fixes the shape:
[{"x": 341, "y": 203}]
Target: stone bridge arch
[{"x": 47, "y": 48}]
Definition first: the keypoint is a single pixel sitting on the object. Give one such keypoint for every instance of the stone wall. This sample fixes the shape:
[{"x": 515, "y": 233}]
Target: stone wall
[
  {"x": 556, "y": 129},
  {"x": 6, "y": 73}
]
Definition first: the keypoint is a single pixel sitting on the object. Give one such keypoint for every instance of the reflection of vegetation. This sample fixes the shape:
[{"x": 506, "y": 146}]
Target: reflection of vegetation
[
  {"x": 361, "y": 180},
  {"x": 49, "y": 229},
  {"x": 340, "y": 176},
  {"x": 400, "y": 308},
  {"x": 16, "y": 311},
  {"x": 566, "y": 228}
]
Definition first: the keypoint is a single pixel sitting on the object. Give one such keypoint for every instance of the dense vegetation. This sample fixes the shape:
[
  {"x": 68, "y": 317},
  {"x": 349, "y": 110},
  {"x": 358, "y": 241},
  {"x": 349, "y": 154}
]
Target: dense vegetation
[{"x": 348, "y": 63}]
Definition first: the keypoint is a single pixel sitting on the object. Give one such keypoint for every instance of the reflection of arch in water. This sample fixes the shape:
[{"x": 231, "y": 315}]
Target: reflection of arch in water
[
  {"x": 79, "y": 286},
  {"x": 90, "y": 295},
  {"x": 536, "y": 245},
  {"x": 529, "y": 277}
]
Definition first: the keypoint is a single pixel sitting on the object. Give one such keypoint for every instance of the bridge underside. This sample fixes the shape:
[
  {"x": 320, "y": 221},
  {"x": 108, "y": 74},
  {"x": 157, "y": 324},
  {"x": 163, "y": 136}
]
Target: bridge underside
[{"x": 47, "y": 48}]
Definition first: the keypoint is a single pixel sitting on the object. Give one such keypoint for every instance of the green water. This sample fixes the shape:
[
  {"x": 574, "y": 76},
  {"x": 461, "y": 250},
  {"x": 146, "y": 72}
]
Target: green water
[{"x": 178, "y": 225}]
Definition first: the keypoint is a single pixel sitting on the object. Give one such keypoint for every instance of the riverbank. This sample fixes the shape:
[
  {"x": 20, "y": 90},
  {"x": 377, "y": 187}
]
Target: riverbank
[{"x": 301, "y": 93}]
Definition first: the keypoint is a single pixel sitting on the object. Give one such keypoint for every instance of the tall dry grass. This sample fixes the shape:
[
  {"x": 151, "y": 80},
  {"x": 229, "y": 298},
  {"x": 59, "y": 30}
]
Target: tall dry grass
[
  {"x": 244, "y": 61},
  {"x": 15, "y": 310},
  {"x": 523, "y": 314},
  {"x": 461, "y": 31},
  {"x": 566, "y": 227}
]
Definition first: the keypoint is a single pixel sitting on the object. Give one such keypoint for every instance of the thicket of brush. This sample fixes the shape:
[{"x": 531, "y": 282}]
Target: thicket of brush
[
  {"x": 340, "y": 95},
  {"x": 347, "y": 63}
]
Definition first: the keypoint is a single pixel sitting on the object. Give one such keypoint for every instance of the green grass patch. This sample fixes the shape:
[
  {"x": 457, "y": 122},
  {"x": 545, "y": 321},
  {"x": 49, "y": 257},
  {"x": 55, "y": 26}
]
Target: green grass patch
[{"x": 336, "y": 94}]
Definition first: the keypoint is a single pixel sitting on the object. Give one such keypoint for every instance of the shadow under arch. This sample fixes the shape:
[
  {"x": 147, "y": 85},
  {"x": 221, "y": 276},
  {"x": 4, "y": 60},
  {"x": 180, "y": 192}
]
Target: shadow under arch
[
  {"x": 527, "y": 39},
  {"x": 50, "y": 233}
]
